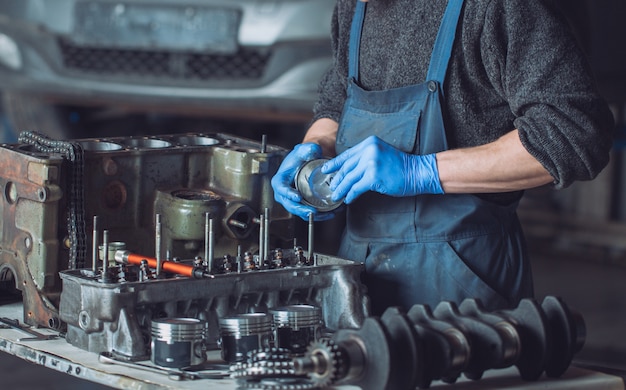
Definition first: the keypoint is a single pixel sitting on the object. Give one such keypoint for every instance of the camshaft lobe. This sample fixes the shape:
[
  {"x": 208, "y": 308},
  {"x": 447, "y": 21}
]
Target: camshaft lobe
[{"x": 408, "y": 350}]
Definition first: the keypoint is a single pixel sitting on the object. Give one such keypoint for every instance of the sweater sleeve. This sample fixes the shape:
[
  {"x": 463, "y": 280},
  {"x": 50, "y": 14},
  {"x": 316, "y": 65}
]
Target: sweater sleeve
[
  {"x": 333, "y": 85},
  {"x": 536, "y": 65}
]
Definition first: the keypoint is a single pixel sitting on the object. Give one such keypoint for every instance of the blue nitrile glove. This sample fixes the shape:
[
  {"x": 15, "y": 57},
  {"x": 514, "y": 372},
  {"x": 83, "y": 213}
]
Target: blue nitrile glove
[
  {"x": 283, "y": 182},
  {"x": 374, "y": 165}
]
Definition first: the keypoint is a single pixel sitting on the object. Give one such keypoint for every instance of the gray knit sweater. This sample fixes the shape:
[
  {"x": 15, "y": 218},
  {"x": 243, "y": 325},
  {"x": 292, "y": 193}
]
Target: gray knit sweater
[{"x": 515, "y": 65}]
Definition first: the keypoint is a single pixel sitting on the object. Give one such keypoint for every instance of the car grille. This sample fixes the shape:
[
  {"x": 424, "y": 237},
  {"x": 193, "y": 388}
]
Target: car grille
[{"x": 246, "y": 64}]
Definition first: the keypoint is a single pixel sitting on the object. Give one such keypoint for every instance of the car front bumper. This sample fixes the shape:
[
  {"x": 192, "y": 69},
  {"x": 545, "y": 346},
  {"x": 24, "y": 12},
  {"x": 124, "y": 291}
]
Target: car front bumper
[{"x": 273, "y": 73}]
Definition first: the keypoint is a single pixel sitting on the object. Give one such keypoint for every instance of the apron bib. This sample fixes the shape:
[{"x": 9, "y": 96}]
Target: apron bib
[{"x": 427, "y": 248}]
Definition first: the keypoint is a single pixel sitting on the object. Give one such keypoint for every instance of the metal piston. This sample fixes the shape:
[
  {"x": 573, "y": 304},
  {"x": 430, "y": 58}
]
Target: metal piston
[
  {"x": 178, "y": 342},
  {"x": 243, "y": 333},
  {"x": 296, "y": 326},
  {"x": 314, "y": 186}
]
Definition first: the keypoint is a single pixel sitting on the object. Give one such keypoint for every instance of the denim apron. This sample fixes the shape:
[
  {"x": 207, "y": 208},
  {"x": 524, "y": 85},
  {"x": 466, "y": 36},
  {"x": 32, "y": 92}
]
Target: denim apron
[{"x": 427, "y": 248}]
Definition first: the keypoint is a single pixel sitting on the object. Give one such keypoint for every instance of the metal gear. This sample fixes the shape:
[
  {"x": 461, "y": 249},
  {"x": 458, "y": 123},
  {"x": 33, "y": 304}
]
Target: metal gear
[
  {"x": 275, "y": 369},
  {"x": 269, "y": 369},
  {"x": 324, "y": 363},
  {"x": 291, "y": 383},
  {"x": 261, "y": 371},
  {"x": 264, "y": 363},
  {"x": 269, "y": 354}
]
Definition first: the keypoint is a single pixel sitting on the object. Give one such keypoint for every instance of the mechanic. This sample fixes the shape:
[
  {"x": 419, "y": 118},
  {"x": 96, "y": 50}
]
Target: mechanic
[{"x": 440, "y": 113}]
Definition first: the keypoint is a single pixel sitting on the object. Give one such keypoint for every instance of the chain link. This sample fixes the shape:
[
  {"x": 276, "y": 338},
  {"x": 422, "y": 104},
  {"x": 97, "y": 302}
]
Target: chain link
[{"x": 73, "y": 153}]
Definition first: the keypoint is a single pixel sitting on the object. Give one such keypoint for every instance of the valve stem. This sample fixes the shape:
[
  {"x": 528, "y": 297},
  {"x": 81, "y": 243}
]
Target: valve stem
[
  {"x": 157, "y": 244},
  {"x": 94, "y": 251},
  {"x": 311, "y": 237}
]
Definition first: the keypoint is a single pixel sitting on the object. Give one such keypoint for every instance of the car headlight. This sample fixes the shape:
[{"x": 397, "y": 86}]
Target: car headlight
[{"x": 10, "y": 55}]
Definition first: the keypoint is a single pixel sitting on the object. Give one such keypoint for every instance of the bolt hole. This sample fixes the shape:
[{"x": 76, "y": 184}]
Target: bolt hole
[
  {"x": 54, "y": 323},
  {"x": 83, "y": 319},
  {"x": 10, "y": 192}
]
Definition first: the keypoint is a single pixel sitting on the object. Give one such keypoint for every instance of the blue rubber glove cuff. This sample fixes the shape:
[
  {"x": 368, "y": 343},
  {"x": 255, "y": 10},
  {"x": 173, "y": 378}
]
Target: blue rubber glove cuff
[{"x": 422, "y": 175}]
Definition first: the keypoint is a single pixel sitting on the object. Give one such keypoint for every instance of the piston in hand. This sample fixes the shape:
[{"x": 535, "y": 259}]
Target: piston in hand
[{"x": 314, "y": 186}]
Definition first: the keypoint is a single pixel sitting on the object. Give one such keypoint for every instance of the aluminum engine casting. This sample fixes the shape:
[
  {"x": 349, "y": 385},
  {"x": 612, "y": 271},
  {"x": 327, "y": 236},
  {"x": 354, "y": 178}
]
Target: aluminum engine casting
[
  {"x": 115, "y": 317},
  {"x": 53, "y": 189}
]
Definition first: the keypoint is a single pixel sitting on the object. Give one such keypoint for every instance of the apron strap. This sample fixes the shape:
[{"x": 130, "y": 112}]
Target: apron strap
[
  {"x": 354, "y": 45},
  {"x": 442, "y": 51}
]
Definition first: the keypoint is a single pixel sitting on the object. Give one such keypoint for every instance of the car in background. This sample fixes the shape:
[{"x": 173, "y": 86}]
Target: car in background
[{"x": 66, "y": 64}]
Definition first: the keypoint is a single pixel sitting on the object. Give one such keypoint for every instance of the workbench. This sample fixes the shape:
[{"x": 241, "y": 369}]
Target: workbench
[{"x": 59, "y": 355}]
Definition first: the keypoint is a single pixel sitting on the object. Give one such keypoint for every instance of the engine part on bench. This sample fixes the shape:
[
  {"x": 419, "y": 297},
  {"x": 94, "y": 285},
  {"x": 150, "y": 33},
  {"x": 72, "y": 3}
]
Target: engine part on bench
[
  {"x": 53, "y": 188},
  {"x": 276, "y": 368},
  {"x": 73, "y": 153},
  {"x": 121, "y": 326},
  {"x": 407, "y": 350},
  {"x": 270, "y": 369},
  {"x": 178, "y": 342},
  {"x": 34, "y": 335},
  {"x": 193, "y": 271},
  {"x": 244, "y": 333},
  {"x": 296, "y": 326}
]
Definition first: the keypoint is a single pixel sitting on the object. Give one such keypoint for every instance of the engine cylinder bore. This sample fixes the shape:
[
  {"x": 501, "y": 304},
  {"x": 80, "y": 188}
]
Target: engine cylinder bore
[
  {"x": 183, "y": 211},
  {"x": 196, "y": 140},
  {"x": 243, "y": 333},
  {"x": 178, "y": 342},
  {"x": 296, "y": 326},
  {"x": 147, "y": 143}
]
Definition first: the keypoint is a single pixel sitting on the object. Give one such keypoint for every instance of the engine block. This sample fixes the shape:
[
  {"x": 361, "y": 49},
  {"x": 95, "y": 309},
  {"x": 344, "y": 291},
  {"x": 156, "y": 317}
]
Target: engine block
[{"x": 155, "y": 194}]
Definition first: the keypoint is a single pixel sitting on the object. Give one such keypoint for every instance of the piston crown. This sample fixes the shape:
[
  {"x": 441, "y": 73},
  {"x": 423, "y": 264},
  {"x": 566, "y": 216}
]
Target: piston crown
[
  {"x": 246, "y": 324},
  {"x": 314, "y": 186},
  {"x": 178, "y": 329},
  {"x": 297, "y": 316}
]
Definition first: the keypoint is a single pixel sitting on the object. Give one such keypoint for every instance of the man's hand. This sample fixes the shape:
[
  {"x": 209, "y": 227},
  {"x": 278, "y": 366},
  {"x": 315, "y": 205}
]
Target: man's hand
[
  {"x": 374, "y": 165},
  {"x": 282, "y": 182}
]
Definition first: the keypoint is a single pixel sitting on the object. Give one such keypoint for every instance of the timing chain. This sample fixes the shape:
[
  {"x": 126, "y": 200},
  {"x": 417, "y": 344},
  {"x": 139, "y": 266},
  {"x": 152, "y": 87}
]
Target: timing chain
[{"x": 73, "y": 153}]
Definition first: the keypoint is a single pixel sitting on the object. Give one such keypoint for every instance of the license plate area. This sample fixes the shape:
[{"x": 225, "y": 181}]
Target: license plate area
[{"x": 156, "y": 26}]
